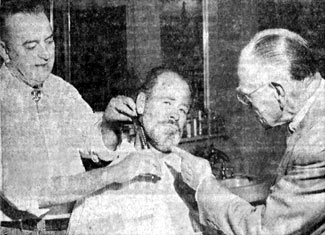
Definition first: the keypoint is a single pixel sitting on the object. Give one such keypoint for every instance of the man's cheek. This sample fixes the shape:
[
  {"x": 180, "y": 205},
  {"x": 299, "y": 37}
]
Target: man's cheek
[{"x": 270, "y": 114}]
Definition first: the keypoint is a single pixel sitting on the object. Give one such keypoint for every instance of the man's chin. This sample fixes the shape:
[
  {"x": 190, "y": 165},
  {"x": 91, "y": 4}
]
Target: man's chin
[
  {"x": 40, "y": 79},
  {"x": 163, "y": 149},
  {"x": 166, "y": 147},
  {"x": 163, "y": 142}
]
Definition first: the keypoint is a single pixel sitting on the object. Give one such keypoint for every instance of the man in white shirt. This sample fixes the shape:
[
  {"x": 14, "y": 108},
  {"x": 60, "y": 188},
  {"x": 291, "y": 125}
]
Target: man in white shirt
[{"x": 145, "y": 206}]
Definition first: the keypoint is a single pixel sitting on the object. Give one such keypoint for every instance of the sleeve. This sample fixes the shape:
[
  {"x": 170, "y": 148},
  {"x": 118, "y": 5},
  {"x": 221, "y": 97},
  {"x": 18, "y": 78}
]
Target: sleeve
[
  {"x": 296, "y": 204},
  {"x": 89, "y": 123}
]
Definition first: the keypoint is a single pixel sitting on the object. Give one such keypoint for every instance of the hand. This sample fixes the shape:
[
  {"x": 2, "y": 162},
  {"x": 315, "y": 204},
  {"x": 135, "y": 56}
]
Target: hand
[
  {"x": 139, "y": 164},
  {"x": 120, "y": 108},
  {"x": 194, "y": 169}
]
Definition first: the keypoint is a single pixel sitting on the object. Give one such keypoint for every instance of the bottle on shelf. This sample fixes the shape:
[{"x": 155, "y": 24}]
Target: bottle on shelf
[
  {"x": 205, "y": 124},
  {"x": 188, "y": 128},
  {"x": 194, "y": 125},
  {"x": 199, "y": 117},
  {"x": 214, "y": 124}
]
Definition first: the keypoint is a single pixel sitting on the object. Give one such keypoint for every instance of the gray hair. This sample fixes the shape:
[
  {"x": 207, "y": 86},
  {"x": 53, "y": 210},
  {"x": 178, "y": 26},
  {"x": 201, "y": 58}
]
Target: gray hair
[
  {"x": 282, "y": 47},
  {"x": 153, "y": 75}
]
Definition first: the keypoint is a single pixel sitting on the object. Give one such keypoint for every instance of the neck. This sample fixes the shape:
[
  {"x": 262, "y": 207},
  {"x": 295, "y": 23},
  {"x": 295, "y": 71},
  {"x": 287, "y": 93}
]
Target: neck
[
  {"x": 20, "y": 76},
  {"x": 313, "y": 85},
  {"x": 299, "y": 97},
  {"x": 155, "y": 151}
]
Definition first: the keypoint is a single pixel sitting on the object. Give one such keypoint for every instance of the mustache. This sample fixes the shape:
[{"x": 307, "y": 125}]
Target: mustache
[{"x": 172, "y": 122}]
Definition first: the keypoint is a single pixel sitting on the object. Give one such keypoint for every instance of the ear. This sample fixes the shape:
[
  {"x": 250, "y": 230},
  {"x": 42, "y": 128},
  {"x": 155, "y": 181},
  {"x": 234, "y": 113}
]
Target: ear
[
  {"x": 280, "y": 94},
  {"x": 140, "y": 103},
  {"x": 4, "y": 52}
]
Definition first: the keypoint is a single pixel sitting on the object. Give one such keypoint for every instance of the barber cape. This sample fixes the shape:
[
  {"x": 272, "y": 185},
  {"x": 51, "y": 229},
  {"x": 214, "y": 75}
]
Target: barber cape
[{"x": 137, "y": 208}]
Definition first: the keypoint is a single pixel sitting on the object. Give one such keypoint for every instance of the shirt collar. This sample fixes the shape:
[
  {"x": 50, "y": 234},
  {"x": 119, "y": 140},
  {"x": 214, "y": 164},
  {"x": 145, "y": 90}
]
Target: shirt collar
[
  {"x": 293, "y": 126},
  {"x": 15, "y": 73},
  {"x": 17, "y": 82}
]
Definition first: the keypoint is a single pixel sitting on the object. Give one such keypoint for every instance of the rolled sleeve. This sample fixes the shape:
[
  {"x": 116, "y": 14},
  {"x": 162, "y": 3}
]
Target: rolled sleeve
[{"x": 89, "y": 124}]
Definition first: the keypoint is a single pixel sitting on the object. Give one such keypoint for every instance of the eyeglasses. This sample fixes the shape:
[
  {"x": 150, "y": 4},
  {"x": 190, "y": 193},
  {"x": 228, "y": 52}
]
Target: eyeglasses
[{"x": 246, "y": 98}]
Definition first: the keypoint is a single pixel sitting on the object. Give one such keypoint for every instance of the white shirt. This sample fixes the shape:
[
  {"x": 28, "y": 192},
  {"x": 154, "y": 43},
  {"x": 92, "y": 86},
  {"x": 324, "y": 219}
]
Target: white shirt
[{"x": 137, "y": 208}]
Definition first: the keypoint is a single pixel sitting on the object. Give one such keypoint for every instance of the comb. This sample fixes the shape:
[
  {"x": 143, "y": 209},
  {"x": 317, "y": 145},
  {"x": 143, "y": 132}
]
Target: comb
[{"x": 140, "y": 132}]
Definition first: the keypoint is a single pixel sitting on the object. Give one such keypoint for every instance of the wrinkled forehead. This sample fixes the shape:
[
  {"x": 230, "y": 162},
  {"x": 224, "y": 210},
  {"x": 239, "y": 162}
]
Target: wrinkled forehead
[
  {"x": 170, "y": 79},
  {"x": 171, "y": 84}
]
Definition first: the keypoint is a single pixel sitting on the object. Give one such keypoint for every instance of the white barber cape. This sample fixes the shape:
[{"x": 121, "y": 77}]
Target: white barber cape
[{"x": 138, "y": 208}]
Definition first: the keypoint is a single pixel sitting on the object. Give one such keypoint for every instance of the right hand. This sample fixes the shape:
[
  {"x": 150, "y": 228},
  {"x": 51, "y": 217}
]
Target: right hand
[
  {"x": 120, "y": 108},
  {"x": 137, "y": 164},
  {"x": 194, "y": 169}
]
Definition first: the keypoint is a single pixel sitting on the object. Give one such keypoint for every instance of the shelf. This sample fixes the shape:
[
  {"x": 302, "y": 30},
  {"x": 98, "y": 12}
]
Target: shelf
[{"x": 199, "y": 138}]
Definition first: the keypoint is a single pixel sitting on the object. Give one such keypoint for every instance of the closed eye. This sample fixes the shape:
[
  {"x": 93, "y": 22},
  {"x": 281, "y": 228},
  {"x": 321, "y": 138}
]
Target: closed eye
[
  {"x": 50, "y": 41},
  {"x": 49, "y": 38},
  {"x": 30, "y": 45},
  {"x": 184, "y": 110}
]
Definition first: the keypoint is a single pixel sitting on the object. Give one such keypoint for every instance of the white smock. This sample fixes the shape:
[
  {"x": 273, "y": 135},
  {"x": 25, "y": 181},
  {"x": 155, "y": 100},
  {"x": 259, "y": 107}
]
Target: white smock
[{"x": 137, "y": 208}]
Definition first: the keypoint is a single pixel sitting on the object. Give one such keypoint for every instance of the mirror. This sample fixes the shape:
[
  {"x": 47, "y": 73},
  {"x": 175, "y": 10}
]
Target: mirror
[
  {"x": 182, "y": 43},
  {"x": 105, "y": 48}
]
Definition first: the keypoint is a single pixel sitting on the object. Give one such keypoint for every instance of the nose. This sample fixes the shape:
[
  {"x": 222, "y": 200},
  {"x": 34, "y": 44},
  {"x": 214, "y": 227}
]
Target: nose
[
  {"x": 174, "y": 115},
  {"x": 44, "y": 53}
]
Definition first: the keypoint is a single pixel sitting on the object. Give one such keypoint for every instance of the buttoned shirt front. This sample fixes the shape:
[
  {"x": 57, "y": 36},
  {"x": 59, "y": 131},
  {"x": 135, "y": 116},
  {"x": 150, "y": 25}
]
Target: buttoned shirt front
[{"x": 41, "y": 139}]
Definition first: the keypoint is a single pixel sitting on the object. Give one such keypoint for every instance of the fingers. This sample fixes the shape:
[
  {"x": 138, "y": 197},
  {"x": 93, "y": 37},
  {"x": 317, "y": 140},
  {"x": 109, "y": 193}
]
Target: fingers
[
  {"x": 193, "y": 169},
  {"x": 187, "y": 174},
  {"x": 125, "y": 105},
  {"x": 144, "y": 163},
  {"x": 120, "y": 108},
  {"x": 181, "y": 153},
  {"x": 131, "y": 105},
  {"x": 151, "y": 166}
]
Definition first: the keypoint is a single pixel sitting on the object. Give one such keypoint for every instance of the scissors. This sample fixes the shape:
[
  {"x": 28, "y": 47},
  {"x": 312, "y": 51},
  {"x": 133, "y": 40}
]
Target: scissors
[{"x": 140, "y": 132}]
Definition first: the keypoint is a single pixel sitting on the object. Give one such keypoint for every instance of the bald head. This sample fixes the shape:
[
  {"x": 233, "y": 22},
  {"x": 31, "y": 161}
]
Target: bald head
[
  {"x": 154, "y": 75},
  {"x": 277, "y": 75},
  {"x": 278, "y": 51}
]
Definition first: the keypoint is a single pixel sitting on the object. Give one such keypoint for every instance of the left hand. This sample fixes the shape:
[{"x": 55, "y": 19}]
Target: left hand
[
  {"x": 194, "y": 169},
  {"x": 139, "y": 164}
]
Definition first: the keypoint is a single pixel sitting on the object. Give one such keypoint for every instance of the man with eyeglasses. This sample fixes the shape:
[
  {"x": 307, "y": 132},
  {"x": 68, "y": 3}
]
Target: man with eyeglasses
[
  {"x": 279, "y": 80},
  {"x": 254, "y": 97}
]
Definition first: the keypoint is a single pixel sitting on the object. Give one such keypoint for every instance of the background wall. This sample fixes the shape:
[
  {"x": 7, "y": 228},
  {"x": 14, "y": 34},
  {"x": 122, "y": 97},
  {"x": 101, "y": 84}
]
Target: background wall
[{"x": 103, "y": 56}]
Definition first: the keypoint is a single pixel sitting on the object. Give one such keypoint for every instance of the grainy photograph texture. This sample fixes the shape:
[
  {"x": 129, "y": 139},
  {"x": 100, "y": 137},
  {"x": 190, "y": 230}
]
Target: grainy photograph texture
[{"x": 162, "y": 117}]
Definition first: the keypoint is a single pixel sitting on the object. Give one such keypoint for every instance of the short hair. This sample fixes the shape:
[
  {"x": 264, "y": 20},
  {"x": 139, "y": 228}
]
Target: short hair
[
  {"x": 282, "y": 47},
  {"x": 153, "y": 75},
  {"x": 11, "y": 7}
]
